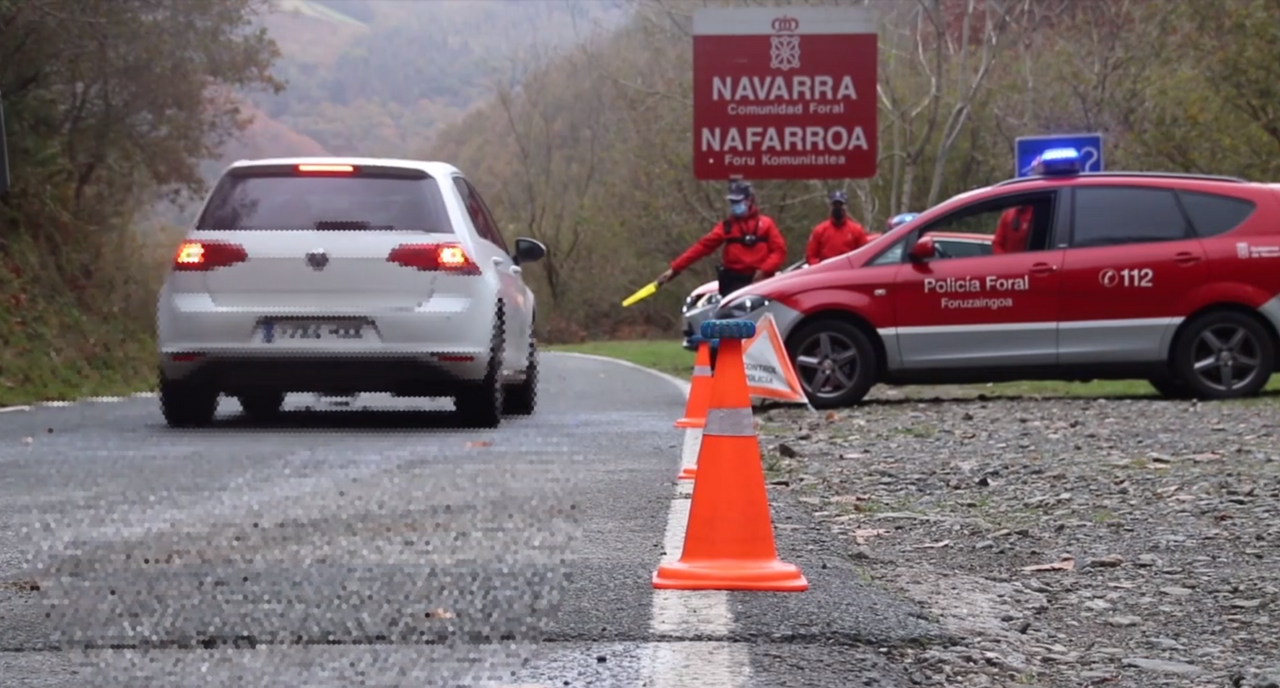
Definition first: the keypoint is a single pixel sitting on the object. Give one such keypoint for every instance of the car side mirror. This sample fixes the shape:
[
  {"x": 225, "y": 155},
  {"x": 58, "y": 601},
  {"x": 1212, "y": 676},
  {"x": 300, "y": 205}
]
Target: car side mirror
[
  {"x": 529, "y": 251},
  {"x": 923, "y": 250}
]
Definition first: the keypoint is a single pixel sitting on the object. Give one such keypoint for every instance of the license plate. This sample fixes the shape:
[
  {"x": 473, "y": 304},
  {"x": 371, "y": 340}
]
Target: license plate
[{"x": 273, "y": 332}]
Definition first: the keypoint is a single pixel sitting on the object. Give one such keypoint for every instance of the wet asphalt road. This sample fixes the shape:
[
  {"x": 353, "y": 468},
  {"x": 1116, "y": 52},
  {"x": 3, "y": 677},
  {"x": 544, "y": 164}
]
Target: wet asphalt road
[{"x": 376, "y": 545}]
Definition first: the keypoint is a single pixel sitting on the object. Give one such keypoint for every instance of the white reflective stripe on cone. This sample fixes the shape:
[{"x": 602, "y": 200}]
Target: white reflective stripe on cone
[
  {"x": 734, "y": 422},
  {"x": 704, "y": 371}
]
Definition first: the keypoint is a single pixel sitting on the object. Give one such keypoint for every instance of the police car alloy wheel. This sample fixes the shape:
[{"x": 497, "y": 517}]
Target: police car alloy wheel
[
  {"x": 1224, "y": 355},
  {"x": 836, "y": 362}
]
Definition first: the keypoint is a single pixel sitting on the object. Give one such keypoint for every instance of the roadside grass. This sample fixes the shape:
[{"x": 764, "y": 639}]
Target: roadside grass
[
  {"x": 665, "y": 355},
  {"x": 77, "y": 319},
  {"x": 668, "y": 356}
]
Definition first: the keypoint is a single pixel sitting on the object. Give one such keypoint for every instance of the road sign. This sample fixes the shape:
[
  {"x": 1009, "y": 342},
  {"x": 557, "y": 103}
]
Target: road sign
[
  {"x": 1028, "y": 148},
  {"x": 784, "y": 93}
]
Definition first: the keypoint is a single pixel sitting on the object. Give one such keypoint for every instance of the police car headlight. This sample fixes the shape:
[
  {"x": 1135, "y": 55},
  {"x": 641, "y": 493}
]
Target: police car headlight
[
  {"x": 694, "y": 302},
  {"x": 741, "y": 307}
]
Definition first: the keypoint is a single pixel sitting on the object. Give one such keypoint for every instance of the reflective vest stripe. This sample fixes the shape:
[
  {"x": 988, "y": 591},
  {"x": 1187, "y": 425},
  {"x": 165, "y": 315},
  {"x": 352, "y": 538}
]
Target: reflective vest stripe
[
  {"x": 734, "y": 422},
  {"x": 704, "y": 371}
]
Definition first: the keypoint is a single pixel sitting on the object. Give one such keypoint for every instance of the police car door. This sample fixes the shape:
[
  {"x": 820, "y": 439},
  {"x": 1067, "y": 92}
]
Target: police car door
[{"x": 983, "y": 311}]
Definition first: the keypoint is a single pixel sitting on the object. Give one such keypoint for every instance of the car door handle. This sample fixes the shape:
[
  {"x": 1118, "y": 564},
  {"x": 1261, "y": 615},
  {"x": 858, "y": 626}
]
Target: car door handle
[
  {"x": 516, "y": 270},
  {"x": 498, "y": 260},
  {"x": 1042, "y": 269},
  {"x": 1186, "y": 258}
]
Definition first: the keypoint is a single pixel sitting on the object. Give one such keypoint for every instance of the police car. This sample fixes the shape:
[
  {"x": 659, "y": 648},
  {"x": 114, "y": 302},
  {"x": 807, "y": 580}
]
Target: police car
[
  {"x": 702, "y": 302},
  {"x": 1171, "y": 278}
]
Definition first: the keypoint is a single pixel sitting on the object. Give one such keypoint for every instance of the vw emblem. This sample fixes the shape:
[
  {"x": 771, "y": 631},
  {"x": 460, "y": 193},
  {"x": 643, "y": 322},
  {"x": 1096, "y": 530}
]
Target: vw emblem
[
  {"x": 785, "y": 23},
  {"x": 317, "y": 259}
]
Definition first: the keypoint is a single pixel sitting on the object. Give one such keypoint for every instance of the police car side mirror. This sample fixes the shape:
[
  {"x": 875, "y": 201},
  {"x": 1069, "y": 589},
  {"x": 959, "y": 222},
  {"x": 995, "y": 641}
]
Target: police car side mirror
[
  {"x": 923, "y": 250},
  {"x": 4, "y": 153},
  {"x": 529, "y": 251}
]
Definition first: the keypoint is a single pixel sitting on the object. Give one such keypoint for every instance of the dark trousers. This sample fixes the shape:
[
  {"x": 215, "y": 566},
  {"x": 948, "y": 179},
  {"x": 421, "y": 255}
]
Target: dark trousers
[{"x": 731, "y": 281}]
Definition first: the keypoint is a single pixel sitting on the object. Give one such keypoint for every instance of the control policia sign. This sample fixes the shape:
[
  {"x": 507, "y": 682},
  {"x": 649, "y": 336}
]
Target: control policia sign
[{"x": 784, "y": 93}]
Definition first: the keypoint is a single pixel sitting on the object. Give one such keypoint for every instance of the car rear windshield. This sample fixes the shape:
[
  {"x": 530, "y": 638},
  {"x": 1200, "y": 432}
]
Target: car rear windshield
[{"x": 290, "y": 201}]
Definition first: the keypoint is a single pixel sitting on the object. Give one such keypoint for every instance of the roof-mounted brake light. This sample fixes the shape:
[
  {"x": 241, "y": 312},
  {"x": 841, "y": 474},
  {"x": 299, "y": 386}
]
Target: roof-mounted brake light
[
  {"x": 325, "y": 169},
  {"x": 1057, "y": 162}
]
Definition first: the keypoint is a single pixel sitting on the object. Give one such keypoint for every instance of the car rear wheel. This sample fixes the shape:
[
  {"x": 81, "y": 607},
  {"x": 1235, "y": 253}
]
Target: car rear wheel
[
  {"x": 521, "y": 399},
  {"x": 187, "y": 403},
  {"x": 261, "y": 405},
  {"x": 835, "y": 361},
  {"x": 480, "y": 404},
  {"x": 1224, "y": 355}
]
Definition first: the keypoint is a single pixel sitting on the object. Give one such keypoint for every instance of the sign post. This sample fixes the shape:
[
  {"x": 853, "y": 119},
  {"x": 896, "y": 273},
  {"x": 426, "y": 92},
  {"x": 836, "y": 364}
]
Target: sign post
[
  {"x": 4, "y": 153},
  {"x": 784, "y": 93},
  {"x": 1028, "y": 148}
]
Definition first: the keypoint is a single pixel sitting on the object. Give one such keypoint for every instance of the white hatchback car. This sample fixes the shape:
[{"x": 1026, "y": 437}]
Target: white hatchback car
[{"x": 341, "y": 276}]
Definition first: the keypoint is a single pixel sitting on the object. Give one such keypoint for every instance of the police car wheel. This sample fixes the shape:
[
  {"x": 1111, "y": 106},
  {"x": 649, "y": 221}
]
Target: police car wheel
[
  {"x": 1224, "y": 355},
  {"x": 835, "y": 361}
]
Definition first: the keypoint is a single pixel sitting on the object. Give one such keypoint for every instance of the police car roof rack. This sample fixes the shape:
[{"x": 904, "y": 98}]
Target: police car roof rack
[{"x": 1156, "y": 175}]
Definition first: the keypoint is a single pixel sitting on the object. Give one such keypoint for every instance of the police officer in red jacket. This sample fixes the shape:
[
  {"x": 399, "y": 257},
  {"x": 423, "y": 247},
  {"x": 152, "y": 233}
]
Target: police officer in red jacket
[
  {"x": 1013, "y": 229},
  {"x": 753, "y": 247},
  {"x": 837, "y": 235}
]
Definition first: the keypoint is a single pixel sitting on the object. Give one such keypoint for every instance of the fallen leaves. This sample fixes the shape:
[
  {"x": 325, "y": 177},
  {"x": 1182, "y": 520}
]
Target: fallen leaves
[
  {"x": 1066, "y": 563},
  {"x": 934, "y": 545},
  {"x": 850, "y": 499},
  {"x": 440, "y": 613},
  {"x": 483, "y": 443},
  {"x": 20, "y": 586},
  {"x": 862, "y": 535}
]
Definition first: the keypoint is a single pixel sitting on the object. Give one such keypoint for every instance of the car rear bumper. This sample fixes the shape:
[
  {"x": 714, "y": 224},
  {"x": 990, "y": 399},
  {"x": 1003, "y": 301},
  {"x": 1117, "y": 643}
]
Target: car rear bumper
[
  {"x": 440, "y": 343},
  {"x": 337, "y": 374}
]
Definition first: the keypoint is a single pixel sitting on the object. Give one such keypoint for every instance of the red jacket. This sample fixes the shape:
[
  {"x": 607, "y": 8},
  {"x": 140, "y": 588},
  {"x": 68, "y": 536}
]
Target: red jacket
[
  {"x": 766, "y": 255},
  {"x": 830, "y": 239},
  {"x": 1012, "y": 230}
]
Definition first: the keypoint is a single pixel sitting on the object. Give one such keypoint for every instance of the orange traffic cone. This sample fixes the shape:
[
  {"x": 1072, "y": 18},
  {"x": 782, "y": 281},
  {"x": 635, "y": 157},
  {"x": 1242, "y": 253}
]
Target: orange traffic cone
[
  {"x": 729, "y": 542},
  {"x": 695, "y": 410}
]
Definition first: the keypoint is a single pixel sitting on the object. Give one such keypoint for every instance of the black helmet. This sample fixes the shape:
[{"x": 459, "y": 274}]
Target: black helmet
[
  {"x": 837, "y": 197},
  {"x": 739, "y": 191}
]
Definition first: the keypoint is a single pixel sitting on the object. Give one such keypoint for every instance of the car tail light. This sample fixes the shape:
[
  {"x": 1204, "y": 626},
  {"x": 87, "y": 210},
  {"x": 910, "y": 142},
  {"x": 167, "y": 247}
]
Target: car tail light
[
  {"x": 325, "y": 169},
  {"x": 200, "y": 256},
  {"x": 450, "y": 258}
]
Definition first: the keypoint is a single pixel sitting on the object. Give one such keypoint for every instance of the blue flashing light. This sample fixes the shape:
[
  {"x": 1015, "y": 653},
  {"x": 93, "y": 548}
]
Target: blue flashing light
[
  {"x": 1057, "y": 162},
  {"x": 901, "y": 219}
]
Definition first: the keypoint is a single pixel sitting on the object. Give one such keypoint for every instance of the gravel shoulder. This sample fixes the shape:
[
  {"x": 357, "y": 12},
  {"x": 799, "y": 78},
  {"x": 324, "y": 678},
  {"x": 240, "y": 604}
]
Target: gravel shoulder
[{"x": 1065, "y": 541}]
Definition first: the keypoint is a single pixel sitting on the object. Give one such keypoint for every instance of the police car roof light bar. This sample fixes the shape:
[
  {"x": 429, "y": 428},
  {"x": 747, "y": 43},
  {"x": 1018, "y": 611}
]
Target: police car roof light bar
[{"x": 1057, "y": 162}]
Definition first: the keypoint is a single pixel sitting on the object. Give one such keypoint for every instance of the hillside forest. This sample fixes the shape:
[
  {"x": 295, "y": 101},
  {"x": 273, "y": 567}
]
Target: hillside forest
[{"x": 573, "y": 117}]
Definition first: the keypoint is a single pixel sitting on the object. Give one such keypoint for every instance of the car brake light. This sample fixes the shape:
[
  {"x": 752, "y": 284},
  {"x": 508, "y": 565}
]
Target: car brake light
[
  {"x": 434, "y": 258},
  {"x": 208, "y": 255},
  {"x": 325, "y": 169}
]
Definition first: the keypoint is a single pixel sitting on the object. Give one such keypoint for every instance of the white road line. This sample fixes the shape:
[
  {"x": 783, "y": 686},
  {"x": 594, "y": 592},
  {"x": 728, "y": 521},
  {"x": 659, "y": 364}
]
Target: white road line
[
  {"x": 11, "y": 409},
  {"x": 702, "y": 613},
  {"x": 681, "y": 613}
]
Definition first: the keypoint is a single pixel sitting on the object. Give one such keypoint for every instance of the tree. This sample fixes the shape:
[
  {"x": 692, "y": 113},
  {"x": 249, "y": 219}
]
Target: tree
[{"x": 108, "y": 98}]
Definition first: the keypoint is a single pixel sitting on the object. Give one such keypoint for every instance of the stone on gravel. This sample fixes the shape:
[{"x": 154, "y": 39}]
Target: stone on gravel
[
  {"x": 1165, "y": 666},
  {"x": 1087, "y": 541}
]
